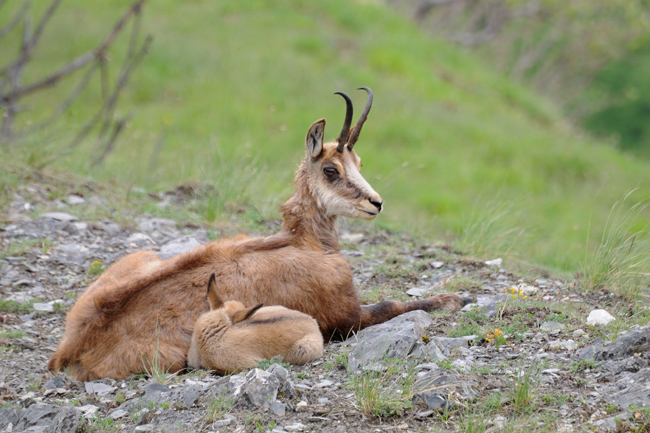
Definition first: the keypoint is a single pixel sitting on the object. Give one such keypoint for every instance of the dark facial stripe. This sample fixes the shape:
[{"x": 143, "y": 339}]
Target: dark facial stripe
[{"x": 264, "y": 321}]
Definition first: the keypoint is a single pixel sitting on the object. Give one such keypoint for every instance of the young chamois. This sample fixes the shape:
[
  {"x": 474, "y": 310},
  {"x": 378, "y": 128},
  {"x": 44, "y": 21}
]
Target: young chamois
[
  {"x": 143, "y": 309},
  {"x": 231, "y": 337}
]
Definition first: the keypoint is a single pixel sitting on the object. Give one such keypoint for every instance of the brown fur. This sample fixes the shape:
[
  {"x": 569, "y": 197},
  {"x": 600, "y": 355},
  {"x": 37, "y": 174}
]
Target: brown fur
[
  {"x": 231, "y": 337},
  {"x": 143, "y": 308}
]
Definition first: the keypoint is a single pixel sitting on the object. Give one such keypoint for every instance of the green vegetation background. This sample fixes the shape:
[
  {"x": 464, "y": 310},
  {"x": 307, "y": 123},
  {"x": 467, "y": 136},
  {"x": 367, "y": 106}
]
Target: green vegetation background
[{"x": 230, "y": 88}]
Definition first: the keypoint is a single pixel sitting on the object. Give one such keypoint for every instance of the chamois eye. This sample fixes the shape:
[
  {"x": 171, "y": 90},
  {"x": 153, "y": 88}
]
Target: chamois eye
[{"x": 330, "y": 171}]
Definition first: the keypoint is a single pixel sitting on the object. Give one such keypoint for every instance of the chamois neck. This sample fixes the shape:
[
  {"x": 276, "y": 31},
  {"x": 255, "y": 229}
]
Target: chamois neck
[{"x": 306, "y": 222}]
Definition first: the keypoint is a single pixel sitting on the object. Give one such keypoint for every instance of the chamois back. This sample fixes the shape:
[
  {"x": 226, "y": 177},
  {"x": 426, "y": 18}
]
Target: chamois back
[{"x": 232, "y": 337}]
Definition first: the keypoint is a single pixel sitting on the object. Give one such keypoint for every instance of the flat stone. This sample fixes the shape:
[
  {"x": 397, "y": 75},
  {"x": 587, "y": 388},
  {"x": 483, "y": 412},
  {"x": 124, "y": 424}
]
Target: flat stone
[
  {"x": 117, "y": 413},
  {"x": 45, "y": 308},
  {"x": 54, "y": 383},
  {"x": 599, "y": 317},
  {"x": 551, "y": 326},
  {"x": 178, "y": 246},
  {"x": 9, "y": 416},
  {"x": 143, "y": 428},
  {"x": 222, "y": 423},
  {"x": 610, "y": 424},
  {"x": 59, "y": 216},
  {"x": 65, "y": 421},
  {"x": 437, "y": 264},
  {"x": 40, "y": 415},
  {"x": 415, "y": 292},
  {"x": 74, "y": 200},
  {"x": 98, "y": 388},
  {"x": 568, "y": 344},
  {"x": 494, "y": 263},
  {"x": 139, "y": 240},
  {"x": 278, "y": 408},
  {"x": 437, "y": 384},
  {"x": 295, "y": 427}
]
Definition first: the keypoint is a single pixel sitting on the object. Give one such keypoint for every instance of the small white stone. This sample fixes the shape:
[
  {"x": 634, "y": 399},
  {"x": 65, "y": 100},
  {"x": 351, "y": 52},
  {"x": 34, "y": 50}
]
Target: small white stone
[
  {"x": 437, "y": 264},
  {"x": 74, "y": 199},
  {"x": 599, "y": 317},
  {"x": 352, "y": 238},
  {"x": 414, "y": 292},
  {"x": 47, "y": 308},
  {"x": 494, "y": 263}
]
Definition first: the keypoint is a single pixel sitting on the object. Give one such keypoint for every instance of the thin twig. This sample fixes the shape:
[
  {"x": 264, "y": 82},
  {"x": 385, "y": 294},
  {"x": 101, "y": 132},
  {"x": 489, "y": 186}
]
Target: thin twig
[
  {"x": 110, "y": 102},
  {"x": 69, "y": 100},
  {"x": 16, "y": 19},
  {"x": 76, "y": 63},
  {"x": 110, "y": 144}
]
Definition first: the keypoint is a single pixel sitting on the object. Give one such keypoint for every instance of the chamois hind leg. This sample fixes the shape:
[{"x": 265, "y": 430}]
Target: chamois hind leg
[
  {"x": 308, "y": 348},
  {"x": 383, "y": 311}
]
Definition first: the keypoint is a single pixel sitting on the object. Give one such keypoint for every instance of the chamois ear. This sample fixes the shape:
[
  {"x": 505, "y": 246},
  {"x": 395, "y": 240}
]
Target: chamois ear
[
  {"x": 314, "y": 140},
  {"x": 244, "y": 314},
  {"x": 213, "y": 297}
]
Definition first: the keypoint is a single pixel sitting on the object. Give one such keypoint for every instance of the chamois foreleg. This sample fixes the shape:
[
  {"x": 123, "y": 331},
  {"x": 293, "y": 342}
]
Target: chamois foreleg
[{"x": 381, "y": 312}]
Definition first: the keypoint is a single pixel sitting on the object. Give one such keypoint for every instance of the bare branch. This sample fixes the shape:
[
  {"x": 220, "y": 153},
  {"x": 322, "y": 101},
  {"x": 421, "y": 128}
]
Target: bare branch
[
  {"x": 110, "y": 144},
  {"x": 69, "y": 100},
  {"x": 16, "y": 19},
  {"x": 110, "y": 102}
]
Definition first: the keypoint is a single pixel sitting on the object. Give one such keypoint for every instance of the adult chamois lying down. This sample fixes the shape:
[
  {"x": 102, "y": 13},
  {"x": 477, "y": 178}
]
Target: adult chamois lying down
[
  {"x": 231, "y": 337},
  {"x": 144, "y": 308}
]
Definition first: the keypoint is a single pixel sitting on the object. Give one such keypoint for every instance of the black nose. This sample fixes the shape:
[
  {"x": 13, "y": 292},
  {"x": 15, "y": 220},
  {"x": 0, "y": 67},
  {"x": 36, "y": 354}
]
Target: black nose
[{"x": 377, "y": 204}]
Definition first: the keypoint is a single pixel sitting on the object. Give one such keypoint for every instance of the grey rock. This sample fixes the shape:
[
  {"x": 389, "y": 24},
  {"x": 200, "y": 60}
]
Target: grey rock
[
  {"x": 118, "y": 413},
  {"x": 278, "y": 408},
  {"x": 66, "y": 421},
  {"x": 551, "y": 326},
  {"x": 489, "y": 304},
  {"x": 629, "y": 390},
  {"x": 172, "y": 421},
  {"x": 54, "y": 383},
  {"x": 178, "y": 246},
  {"x": 611, "y": 424},
  {"x": 260, "y": 388},
  {"x": 450, "y": 346},
  {"x": 9, "y": 416},
  {"x": 568, "y": 344},
  {"x": 636, "y": 341},
  {"x": 286, "y": 385},
  {"x": 59, "y": 216},
  {"x": 615, "y": 367},
  {"x": 139, "y": 240},
  {"x": 395, "y": 339},
  {"x": 98, "y": 388},
  {"x": 295, "y": 427},
  {"x": 434, "y": 386},
  {"x": 39, "y": 415},
  {"x": 155, "y": 224}
]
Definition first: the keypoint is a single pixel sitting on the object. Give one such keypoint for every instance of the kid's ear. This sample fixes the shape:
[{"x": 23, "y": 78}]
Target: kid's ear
[
  {"x": 244, "y": 314},
  {"x": 314, "y": 139},
  {"x": 213, "y": 297}
]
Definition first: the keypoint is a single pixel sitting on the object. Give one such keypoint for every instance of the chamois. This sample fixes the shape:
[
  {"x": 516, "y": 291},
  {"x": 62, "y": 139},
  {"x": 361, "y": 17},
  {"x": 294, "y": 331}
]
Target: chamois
[
  {"x": 143, "y": 308},
  {"x": 231, "y": 338}
]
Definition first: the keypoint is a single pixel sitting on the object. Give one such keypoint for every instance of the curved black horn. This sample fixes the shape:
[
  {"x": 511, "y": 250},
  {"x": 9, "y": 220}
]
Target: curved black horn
[
  {"x": 354, "y": 135},
  {"x": 343, "y": 137}
]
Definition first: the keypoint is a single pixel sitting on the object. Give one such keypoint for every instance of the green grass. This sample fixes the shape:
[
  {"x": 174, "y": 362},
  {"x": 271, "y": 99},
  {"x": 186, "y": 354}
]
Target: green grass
[
  {"x": 621, "y": 259},
  {"x": 386, "y": 392},
  {"x": 228, "y": 91}
]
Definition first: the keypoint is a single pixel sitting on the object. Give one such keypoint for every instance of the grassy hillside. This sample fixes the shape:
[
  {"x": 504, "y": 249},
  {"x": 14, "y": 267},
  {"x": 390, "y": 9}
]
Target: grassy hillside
[{"x": 230, "y": 88}]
